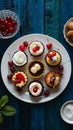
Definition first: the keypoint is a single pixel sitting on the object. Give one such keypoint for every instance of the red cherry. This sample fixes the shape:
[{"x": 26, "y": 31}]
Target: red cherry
[
  {"x": 20, "y": 76},
  {"x": 49, "y": 55},
  {"x": 4, "y": 33},
  {"x": 25, "y": 43},
  {"x": 10, "y": 24},
  {"x": 12, "y": 69},
  {"x": 34, "y": 50},
  {"x": 46, "y": 92},
  {"x": 49, "y": 46},
  {"x": 6, "y": 23},
  {"x": 35, "y": 89},
  {"x": 52, "y": 79},
  {"x": 9, "y": 76},
  {"x": 22, "y": 47},
  {"x": 8, "y": 18},
  {"x": 10, "y": 63},
  {"x": 37, "y": 48},
  {"x": 14, "y": 22},
  {"x": 17, "y": 81},
  {"x": 2, "y": 27},
  {"x": 2, "y": 20},
  {"x": 53, "y": 53},
  {"x": 11, "y": 29}
]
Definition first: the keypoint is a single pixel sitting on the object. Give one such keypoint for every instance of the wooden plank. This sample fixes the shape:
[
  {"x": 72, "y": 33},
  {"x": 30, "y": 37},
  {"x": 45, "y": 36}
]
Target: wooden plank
[
  {"x": 36, "y": 16},
  {"x": 52, "y": 18}
]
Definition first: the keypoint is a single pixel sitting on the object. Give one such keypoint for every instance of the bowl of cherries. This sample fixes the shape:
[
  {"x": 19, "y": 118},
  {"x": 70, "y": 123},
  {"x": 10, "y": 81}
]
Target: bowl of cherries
[{"x": 9, "y": 24}]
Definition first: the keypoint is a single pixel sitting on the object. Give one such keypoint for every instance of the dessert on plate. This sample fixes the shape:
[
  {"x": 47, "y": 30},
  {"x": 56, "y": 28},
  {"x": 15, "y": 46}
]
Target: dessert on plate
[
  {"x": 19, "y": 58},
  {"x": 35, "y": 88},
  {"x": 53, "y": 58},
  {"x": 19, "y": 79},
  {"x": 52, "y": 79},
  {"x": 36, "y": 68},
  {"x": 36, "y": 48}
]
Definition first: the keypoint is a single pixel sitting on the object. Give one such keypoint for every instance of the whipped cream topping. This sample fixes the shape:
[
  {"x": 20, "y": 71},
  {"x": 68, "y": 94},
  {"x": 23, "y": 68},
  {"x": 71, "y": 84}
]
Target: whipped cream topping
[
  {"x": 35, "y": 44},
  {"x": 34, "y": 69},
  {"x": 19, "y": 58},
  {"x": 32, "y": 86}
]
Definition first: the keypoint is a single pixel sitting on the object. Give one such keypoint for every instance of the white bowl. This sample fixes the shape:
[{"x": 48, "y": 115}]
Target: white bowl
[
  {"x": 64, "y": 32},
  {"x": 66, "y": 112},
  {"x": 13, "y": 15}
]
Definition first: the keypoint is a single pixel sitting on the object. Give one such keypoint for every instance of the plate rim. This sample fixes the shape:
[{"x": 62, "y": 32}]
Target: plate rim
[{"x": 39, "y": 102}]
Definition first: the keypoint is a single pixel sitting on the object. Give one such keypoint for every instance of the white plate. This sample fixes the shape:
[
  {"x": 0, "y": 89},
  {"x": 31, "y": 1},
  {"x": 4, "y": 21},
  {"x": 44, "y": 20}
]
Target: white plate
[{"x": 66, "y": 62}]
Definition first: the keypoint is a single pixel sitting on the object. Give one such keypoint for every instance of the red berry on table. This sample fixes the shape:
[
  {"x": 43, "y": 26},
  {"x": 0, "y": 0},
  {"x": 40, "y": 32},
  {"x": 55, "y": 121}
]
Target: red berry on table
[
  {"x": 49, "y": 46},
  {"x": 25, "y": 43},
  {"x": 22, "y": 47},
  {"x": 46, "y": 92}
]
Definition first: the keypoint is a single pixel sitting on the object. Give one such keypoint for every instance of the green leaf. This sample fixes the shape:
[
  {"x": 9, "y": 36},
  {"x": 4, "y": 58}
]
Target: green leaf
[
  {"x": 3, "y": 101},
  {"x": 8, "y": 110},
  {"x": 1, "y": 118}
]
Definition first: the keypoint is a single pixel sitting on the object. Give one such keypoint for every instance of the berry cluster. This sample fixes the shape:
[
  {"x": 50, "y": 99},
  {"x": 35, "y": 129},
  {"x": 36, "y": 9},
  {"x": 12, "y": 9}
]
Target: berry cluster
[
  {"x": 12, "y": 69},
  {"x": 23, "y": 46},
  {"x": 7, "y": 26}
]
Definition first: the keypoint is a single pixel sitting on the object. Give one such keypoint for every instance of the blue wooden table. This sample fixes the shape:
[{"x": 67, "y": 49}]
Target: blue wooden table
[{"x": 45, "y": 17}]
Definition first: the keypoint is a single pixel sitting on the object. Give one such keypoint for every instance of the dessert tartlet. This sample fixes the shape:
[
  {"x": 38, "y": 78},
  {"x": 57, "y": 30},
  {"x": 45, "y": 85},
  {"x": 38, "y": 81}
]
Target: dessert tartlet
[
  {"x": 52, "y": 79},
  {"x": 36, "y": 48},
  {"x": 53, "y": 58},
  {"x": 36, "y": 68},
  {"x": 35, "y": 88},
  {"x": 19, "y": 79},
  {"x": 19, "y": 58}
]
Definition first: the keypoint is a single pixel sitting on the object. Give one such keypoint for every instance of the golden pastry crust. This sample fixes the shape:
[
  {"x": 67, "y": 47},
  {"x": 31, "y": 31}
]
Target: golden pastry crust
[
  {"x": 69, "y": 25},
  {"x": 55, "y": 60},
  {"x": 52, "y": 79}
]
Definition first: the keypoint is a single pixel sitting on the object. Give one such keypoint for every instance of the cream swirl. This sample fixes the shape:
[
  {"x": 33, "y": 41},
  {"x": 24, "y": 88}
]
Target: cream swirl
[
  {"x": 33, "y": 85},
  {"x": 19, "y": 58}
]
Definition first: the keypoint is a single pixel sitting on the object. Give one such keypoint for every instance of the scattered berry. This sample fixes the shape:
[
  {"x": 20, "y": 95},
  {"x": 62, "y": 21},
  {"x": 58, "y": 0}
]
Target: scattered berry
[
  {"x": 10, "y": 63},
  {"x": 61, "y": 67},
  {"x": 22, "y": 47},
  {"x": 9, "y": 76},
  {"x": 49, "y": 46},
  {"x": 19, "y": 89},
  {"x": 25, "y": 43},
  {"x": 12, "y": 69},
  {"x": 46, "y": 92},
  {"x": 60, "y": 73}
]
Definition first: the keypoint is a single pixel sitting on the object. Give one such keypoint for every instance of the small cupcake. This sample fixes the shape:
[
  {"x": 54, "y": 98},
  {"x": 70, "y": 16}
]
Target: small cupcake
[
  {"x": 52, "y": 79},
  {"x": 53, "y": 58},
  {"x": 19, "y": 58},
  {"x": 36, "y": 68},
  {"x": 35, "y": 88},
  {"x": 19, "y": 79},
  {"x": 36, "y": 48}
]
